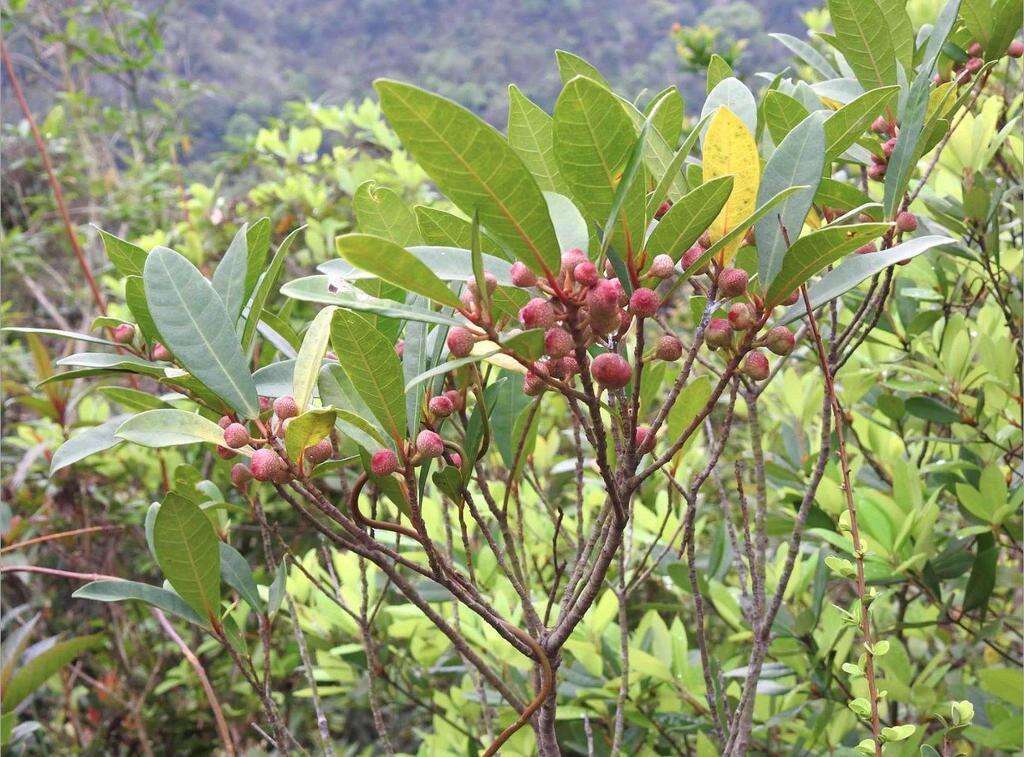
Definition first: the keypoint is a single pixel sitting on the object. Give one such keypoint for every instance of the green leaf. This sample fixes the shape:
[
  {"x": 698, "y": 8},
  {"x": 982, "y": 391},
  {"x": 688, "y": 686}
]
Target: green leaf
[
  {"x": 311, "y": 355},
  {"x": 977, "y": 17},
  {"x": 475, "y": 168},
  {"x": 370, "y": 363},
  {"x": 446, "y": 263},
  {"x": 396, "y": 265},
  {"x": 307, "y": 429},
  {"x": 197, "y": 329},
  {"x": 782, "y": 113},
  {"x": 447, "y": 367},
  {"x": 135, "y": 299},
  {"x": 666, "y": 111},
  {"x": 444, "y": 229},
  {"x": 85, "y": 443},
  {"x": 858, "y": 268},
  {"x": 264, "y": 286},
  {"x": 354, "y": 418},
  {"x": 230, "y": 274},
  {"x": 74, "y": 335},
  {"x": 812, "y": 57},
  {"x": 257, "y": 242},
  {"x": 811, "y": 253},
  {"x": 982, "y": 580},
  {"x": 36, "y": 671},
  {"x": 132, "y": 399},
  {"x": 170, "y": 427},
  {"x": 931, "y": 409},
  {"x": 570, "y": 227},
  {"x": 863, "y": 38},
  {"x": 188, "y": 553},
  {"x": 798, "y": 160},
  {"x": 237, "y": 574},
  {"x": 527, "y": 344},
  {"x": 571, "y": 65},
  {"x": 687, "y": 219},
  {"x": 530, "y": 134},
  {"x": 317, "y": 289},
  {"x": 594, "y": 139},
  {"x": 691, "y": 400},
  {"x": 381, "y": 212},
  {"x": 718, "y": 69},
  {"x": 127, "y": 258},
  {"x": 849, "y": 123},
  {"x": 119, "y": 590},
  {"x": 671, "y": 175},
  {"x": 109, "y": 361},
  {"x": 1005, "y": 24},
  {"x": 901, "y": 31}
]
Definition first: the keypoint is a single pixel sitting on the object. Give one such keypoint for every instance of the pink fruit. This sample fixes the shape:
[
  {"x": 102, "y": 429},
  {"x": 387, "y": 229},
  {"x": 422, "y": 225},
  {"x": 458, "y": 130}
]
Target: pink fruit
[
  {"x": 603, "y": 298},
  {"x": 456, "y": 459},
  {"x": 669, "y": 348},
  {"x": 264, "y": 464},
  {"x": 285, "y": 407},
  {"x": 319, "y": 452},
  {"x": 605, "y": 322},
  {"x": 780, "y": 340},
  {"x": 690, "y": 257},
  {"x": 974, "y": 50},
  {"x": 662, "y": 266},
  {"x": 160, "y": 352},
  {"x": 490, "y": 281},
  {"x": 440, "y": 406},
  {"x": 538, "y": 313},
  {"x": 226, "y": 453},
  {"x": 429, "y": 443},
  {"x": 705, "y": 240},
  {"x": 642, "y": 438},
  {"x": 1016, "y": 49},
  {"x": 876, "y": 171},
  {"x": 384, "y": 462},
  {"x": 973, "y": 64},
  {"x": 572, "y": 258},
  {"x": 460, "y": 341},
  {"x": 585, "y": 273},
  {"x": 718, "y": 333},
  {"x": 906, "y": 221},
  {"x": 225, "y": 421},
  {"x": 558, "y": 342},
  {"x": 455, "y": 397},
  {"x": 755, "y": 365},
  {"x": 124, "y": 333},
  {"x": 264, "y": 404},
  {"x": 611, "y": 370},
  {"x": 236, "y": 436},
  {"x": 662, "y": 210},
  {"x": 400, "y": 348},
  {"x": 732, "y": 282},
  {"x": 522, "y": 276},
  {"x": 791, "y": 300},
  {"x": 880, "y": 125},
  {"x": 864, "y": 249},
  {"x": 568, "y": 366},
  {"x": 888, "y": 146},
  {"x": 240, "y": 475},
  {"x": 644, "y": 302},
  {"x": 741, "y": 317},
  {"x": 532, "y": 384}
]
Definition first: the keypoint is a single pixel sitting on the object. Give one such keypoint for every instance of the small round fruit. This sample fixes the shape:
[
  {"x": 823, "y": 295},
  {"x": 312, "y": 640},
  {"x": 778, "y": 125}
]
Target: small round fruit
[
  {"x": 572, "y": 258},
  {"x": 263, "y": 464},
  {"x": 240, "y": 475},
  {"x": 440, "y": 406},
  {"x": 662, "y": 266},
  {"x": 975, "y": 49},
  {"x": 285, "y": 407},
  {"x": 455, "y": 397},
  {"x": 429, "y": 443},
  {"x": 880, "y": 125},
  {"x": 732, "y": 282},
  {"x": 456, "y": 460},
  {"x": 876, "y": 171},
  {"x": 532, "y": 384},
  {"x": 691, "y": 256},
  {"x": 741, "y": 317},
  {"x": 384, "y": 462},
  {"x": 226, "y": 453},
  {"x": 522, "y": 276},
  {"x": 558, "y": 342},
  {"x": 586, "y": 273},
  {"x": 490, "y": 281},
  {"x": 603, "y": 299},
  {"x": 662, "y": 210},
  {"x": 236, "y": 436},
  {"x": 755, "y": 365},
  {"x": 644, "y": 302},
  {"x": 320, "y": 452},
  {"x": 865, "y": 249},
  {"x": 669, "y": 348},
  {"x": 642, "y": 438},
  {"x": 718, "y": 333},
  {"x": 460, "y": 341},
  {"x": 906, "y": 221},
  {"x": 160, "y": 352},
  {"x": 124, "y": 333},
  {"x": 611, "y": 370},
  {"x": 1016, "y": 49},
  {"x": 780, "y": 340},
  {"x": 225, "y": 421},
  {"x": 538, "y": 313}
]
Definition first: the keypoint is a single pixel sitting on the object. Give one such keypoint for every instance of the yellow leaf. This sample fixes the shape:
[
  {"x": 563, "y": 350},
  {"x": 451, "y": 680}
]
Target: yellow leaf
[{"x": 729, "y": 148}]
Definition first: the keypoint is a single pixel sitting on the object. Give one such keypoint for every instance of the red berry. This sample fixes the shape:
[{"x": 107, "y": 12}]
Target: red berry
[
  {"x": 225, "y": 421},
  {"x": 319, "y": 452},
  {"x": 522, "y": 276},
  {"x": 124, "y": 333},
  {"x": 384, "y": 462},
  {"x": 1016, "y": 49},
  {"x": 880, "y": 125},
  {"x": 974, "y": 50},
  {"x": 662, "y": 210},
  {"x": 236, "y": 436},
  {"x": 603, "y": 298},
  {"x": 876, "y": 171},
  {"x": 755, "y": 365},
  {"x": 973, "y": 64},
  {"x": 160, "y": 352},
  {"x": 226, "y": 453},
  {"x": 532, "y": 384},
  {"x": 460, "y": 341},
  {"x": 264, "y": 404},
  {"x": 791, "y": 300},
  {"x": 669, "y": 348},
  {"x": 538, "y": 313},
  {"x": 285, "y": 407},
  {"x": 558, "y": 342},
  {"x": 490, "y": 281},
  {"x": 440, "y": 406},
  {"x": 741, "y": 317},
  {"x": 642, "y": 438},
  {"x": 572, "y": 258},
  {"x": 690, "y": 257},
  {"x": 240, "y": 475},
  {"x": 605, "y": 322},
  {"x": 611, "y": 370},
  {"x": 586, "y": 273},
  {"x": 906, "y": 221},
  {"x": 718, "y": 333},
  {"x": 568, "y": 366},
  {"x": 888, "y": 146},
  {"x": 456, "y": 459},
  {"x": 644, "y": 302},
  {"x": 429, "y": 443},
  {"x": 662, "y": 266},
  {"x": 866, "y": 248},
  {"x": 732, "y": 282},
  {"x": 780, "y": 340},
  {"x": 455, "y": 397},
  {"x": 264, "y": 463},
  {"x": 400, "y": 348}
]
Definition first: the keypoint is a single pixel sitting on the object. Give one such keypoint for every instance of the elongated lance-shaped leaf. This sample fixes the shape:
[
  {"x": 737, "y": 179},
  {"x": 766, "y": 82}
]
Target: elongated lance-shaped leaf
[
  {"x": 856, "y": 269},
  {"x": 264, "y": 286},
  {"x": 781, "y": 114},
  {"x": 394, "y": 264},
  {"x": 36, "y": 671},
  {"x": 319, "y": 289},
  {"x": 127, "y": 258},
  {"x": 531, "y": 135},
  {"x": 571, "y": 65},
  {"x": 414, "y": 361},
  {"x": 729, "y": 149},
  {"x": 196, "y": 327},
  {"x": 446, "y": 263},
  {"x": 307, "y": 429},
  {"x": 237, "y": 574},
  {"x": 120, "y": 590},
  {"x": 475, "y": 168},
  {"x": 169, "y": 427},
  {"x": 444, "y": 229},
  {"x": 847, "y": 124},
  {"x": 87, "y": 442},
  {"x": 811, "y": 253},
  {"x": 72, "y": 335},
  {"x": 370, "y": 362},
  {"x": 864, "y": 39},
  {"x": 447, "y": 367},
  {"x": 800, "y": 159},
  {"x": 381, "y": 212},
  {"x": 135, "y": 299},
  {"x": 812, "y": 57},
  {"x": 660, "y": 192},
  {"x": 594, "y": 139},
  {"x": 186, "y": 548},
  {"x": 626, "y": 188},
  {"x": 687, "y": 219},
  {"x": 230, "y": 274},
  {"x": 257, "y": 241},
  {"x": 311, "y": 355}
]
